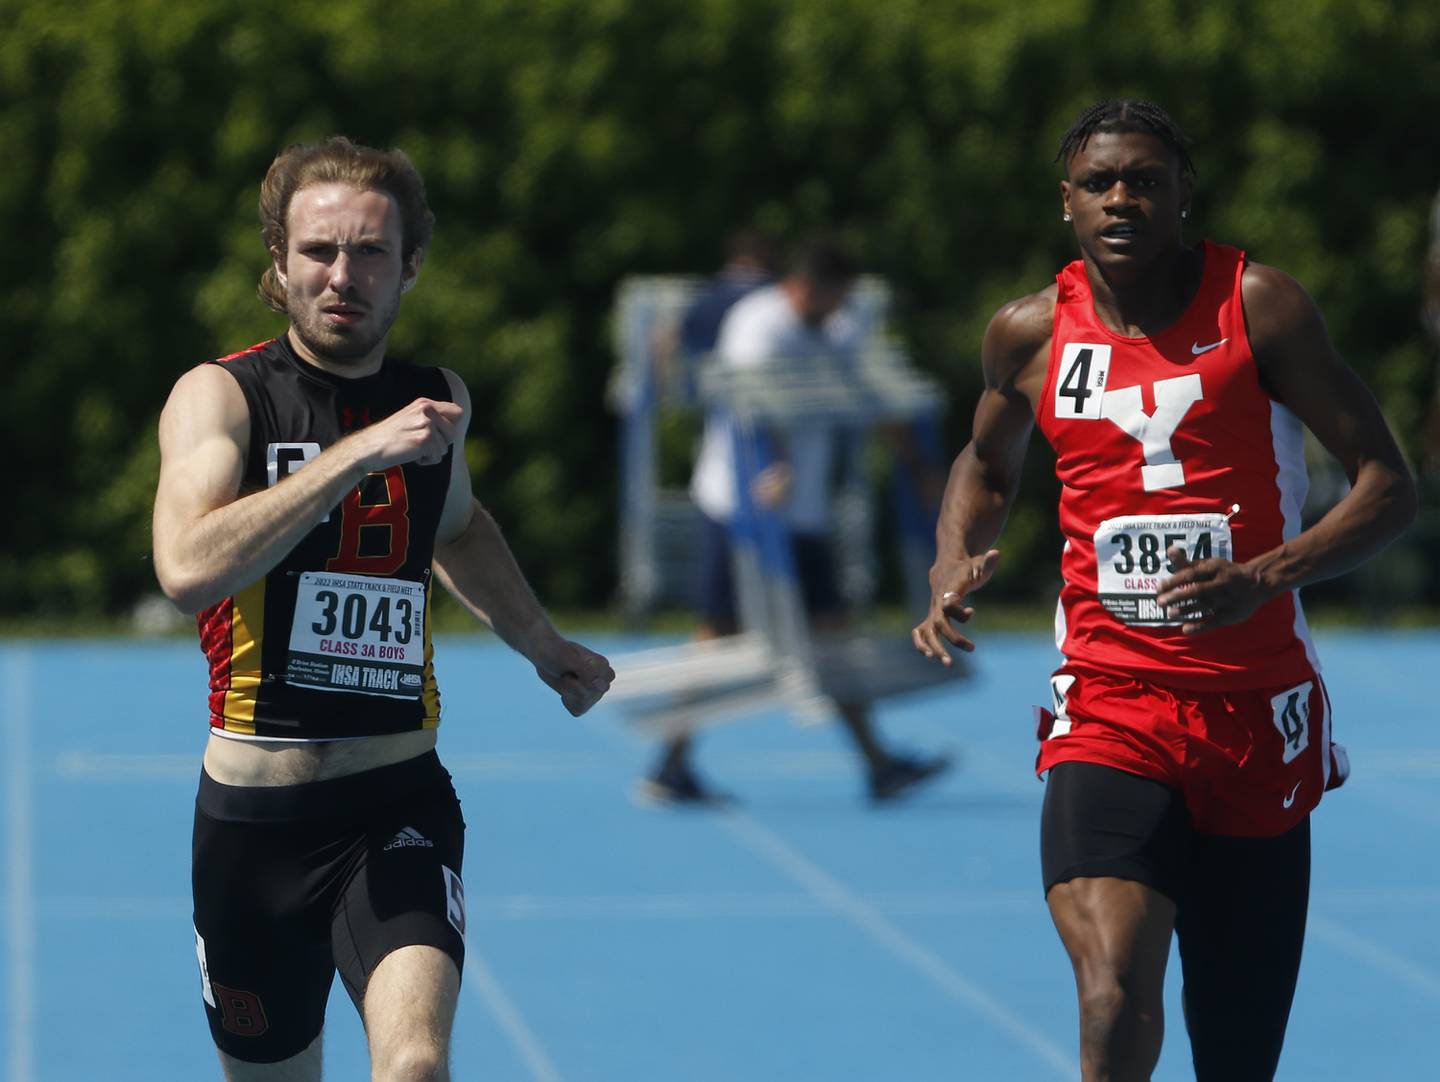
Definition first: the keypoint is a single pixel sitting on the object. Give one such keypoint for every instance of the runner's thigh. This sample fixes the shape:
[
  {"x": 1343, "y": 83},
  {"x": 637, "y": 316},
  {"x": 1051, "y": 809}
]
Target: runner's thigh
[
  {"x": 1241, "y": 926},
  {"x": 408, "y": 889},
  {"x": 1098, "y": 821},
  {"x": 262, "y": 939}
]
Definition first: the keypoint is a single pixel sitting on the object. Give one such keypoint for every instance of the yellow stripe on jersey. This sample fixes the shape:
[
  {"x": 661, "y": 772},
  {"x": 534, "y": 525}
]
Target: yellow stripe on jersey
[
  {"x": 247, "y": 630},
  {"x": 431, "y": 696}
]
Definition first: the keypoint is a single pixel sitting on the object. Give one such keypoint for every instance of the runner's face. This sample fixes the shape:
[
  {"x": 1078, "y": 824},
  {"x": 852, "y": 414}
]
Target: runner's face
[
  {"x": 343, "y": 272},
  {"x": 1125, "y": 192}
]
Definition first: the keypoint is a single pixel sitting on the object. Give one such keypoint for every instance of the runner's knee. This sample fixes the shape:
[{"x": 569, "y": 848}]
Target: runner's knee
[
  {"x": 1108, "y": 997},
  {"x": 1102, "y": 1005},
  {"x": 414, "y": 1058}
]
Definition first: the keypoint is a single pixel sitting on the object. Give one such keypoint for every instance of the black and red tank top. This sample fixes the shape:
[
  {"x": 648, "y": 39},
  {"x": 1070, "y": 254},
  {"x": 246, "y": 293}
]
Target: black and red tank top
[
  {"x": 1162, "y": 441},
  {"x": 334, "y": 641}
]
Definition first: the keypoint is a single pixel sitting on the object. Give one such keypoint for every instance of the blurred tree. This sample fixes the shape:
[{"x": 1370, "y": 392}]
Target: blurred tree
[{"x": 570, "y": 142}]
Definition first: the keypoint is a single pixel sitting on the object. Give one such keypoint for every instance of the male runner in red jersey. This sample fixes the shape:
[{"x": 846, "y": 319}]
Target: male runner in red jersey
[
  {"x": 312, "y": 489},
  {"x": 1191, "y": 731}
]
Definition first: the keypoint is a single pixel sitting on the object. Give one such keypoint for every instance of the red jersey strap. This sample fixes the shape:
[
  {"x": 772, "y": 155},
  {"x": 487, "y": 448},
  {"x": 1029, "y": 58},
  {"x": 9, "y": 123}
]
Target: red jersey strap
[
  {"x": 256, "y": 348},
  {"x": 1219, "y": 293}
]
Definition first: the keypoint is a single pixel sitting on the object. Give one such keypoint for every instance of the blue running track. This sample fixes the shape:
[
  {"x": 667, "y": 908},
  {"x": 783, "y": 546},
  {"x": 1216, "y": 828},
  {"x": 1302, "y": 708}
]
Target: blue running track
[{"x": 802, "y": 935}]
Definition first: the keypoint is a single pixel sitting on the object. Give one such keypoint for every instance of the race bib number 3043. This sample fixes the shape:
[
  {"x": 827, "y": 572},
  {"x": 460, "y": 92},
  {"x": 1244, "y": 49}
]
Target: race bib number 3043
[
  {"x": 1132, "y": 561},
  {"x": 358, "y": 633}
]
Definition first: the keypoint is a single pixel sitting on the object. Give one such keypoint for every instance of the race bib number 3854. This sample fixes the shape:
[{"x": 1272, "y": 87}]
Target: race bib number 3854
[
  {"x": 358, "y": 633},
  {"x": 1132, "y": 561}
]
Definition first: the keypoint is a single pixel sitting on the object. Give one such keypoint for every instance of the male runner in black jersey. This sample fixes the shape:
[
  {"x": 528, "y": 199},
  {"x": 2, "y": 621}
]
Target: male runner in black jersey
[{"x": 308, "y": 488}]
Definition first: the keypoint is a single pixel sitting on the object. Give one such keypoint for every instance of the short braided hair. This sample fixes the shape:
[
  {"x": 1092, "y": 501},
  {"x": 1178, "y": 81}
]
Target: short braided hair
[{"x": 1126, "y": 115}]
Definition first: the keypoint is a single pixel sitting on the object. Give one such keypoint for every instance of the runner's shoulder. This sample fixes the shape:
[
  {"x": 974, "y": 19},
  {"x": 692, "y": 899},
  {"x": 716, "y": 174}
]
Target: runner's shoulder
[
  {"x": 1019, "y": 334},
  {"x": 1263, "y": 284},
  {"x": 1277, "y": 308}
]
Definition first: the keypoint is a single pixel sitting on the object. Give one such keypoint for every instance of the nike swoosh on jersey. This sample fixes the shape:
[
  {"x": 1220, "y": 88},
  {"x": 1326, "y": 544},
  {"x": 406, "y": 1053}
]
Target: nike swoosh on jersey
[
  {"x": 1291, "y": 798},
  {"x": 1198, "y": 349}
]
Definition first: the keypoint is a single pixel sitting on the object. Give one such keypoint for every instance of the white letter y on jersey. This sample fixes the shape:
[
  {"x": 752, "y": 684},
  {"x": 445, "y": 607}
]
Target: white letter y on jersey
[{"x": 1173, "y": 399}]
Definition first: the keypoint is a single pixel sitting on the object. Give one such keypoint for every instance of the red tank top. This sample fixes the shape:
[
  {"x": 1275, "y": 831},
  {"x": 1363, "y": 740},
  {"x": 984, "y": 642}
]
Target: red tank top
[{"x": 1157, "y": 441}]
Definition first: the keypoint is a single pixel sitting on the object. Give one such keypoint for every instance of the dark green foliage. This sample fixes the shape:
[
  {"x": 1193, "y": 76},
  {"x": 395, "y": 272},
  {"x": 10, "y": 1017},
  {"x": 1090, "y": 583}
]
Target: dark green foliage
[{"x": 570, "y": 142}]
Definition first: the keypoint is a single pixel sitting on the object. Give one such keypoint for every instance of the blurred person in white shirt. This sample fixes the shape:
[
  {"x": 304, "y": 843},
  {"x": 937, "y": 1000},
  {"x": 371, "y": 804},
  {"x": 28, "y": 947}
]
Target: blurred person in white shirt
[{"x": 801, "y": 316}]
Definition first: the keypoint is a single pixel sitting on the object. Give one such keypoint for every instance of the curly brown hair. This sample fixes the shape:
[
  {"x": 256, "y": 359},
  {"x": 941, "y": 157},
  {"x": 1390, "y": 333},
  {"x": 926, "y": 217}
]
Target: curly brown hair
[{"x": 337, "y": 160}]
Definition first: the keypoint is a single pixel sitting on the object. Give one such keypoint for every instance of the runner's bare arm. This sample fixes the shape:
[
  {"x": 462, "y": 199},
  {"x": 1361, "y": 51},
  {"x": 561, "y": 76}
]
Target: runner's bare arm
[
  {"x": 986, "y": 474},
  {"x": 1300, "y": 366},
  {"x": 209, "y": 540},
  {"x": 475, "y": 564}
]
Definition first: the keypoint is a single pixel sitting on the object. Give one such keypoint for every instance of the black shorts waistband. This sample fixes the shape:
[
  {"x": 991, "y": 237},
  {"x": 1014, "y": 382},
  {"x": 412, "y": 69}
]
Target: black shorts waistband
[{"x": 341, "y": 797}]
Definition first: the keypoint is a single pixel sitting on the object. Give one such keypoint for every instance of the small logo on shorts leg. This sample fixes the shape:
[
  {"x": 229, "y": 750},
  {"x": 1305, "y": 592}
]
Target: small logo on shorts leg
[
  {"x": 454, "y": 900},
  {"x": 1292, "y": 720},
  {"x": 205, "y": 991},
  {"x": 408, "y": 838},
  {"x": 241, "y": 1013},
  {"x": 1057, "y": 723},
  {"x": 1291, "y": 798}
]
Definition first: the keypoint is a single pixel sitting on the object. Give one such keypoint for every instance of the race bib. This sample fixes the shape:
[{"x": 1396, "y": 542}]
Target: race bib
[
  {"x": 358, "y": 633},
  {"x": 1131, "y": 561}
]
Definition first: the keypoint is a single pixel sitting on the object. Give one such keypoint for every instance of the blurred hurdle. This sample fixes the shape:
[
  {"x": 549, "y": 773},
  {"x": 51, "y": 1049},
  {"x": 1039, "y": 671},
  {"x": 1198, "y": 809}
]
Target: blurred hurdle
[
  {"x": 651, "y": 380},
  {"x": 777, "y": 661}
]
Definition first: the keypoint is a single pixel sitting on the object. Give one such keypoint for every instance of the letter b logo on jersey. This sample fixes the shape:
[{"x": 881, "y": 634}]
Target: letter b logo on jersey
[{"x": 283, "y": 459}]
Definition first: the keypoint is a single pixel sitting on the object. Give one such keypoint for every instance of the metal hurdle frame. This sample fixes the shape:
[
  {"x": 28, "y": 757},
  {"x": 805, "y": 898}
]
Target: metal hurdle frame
[
  {"x": 816, "y": 672},
  {"x": 777, "y": 661},
  {"x": 645, "y": 307}
]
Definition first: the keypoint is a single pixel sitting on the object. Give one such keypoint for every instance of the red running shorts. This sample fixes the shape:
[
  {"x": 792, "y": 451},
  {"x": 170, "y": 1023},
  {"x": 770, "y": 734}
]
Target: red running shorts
[{"x": 1250, "y": 762}]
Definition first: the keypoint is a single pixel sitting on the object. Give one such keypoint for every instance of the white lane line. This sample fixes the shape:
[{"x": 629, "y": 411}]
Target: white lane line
[
  {"x": 97, "y": 766},
  {"x": 479, "y": 977},
  {"x": 90, "y": 907},
  {"x": 1371, "y": 904},
  {"x": 1376, "y": 956},
  {"x": 740, "y": 906},
  {"x": 88, "y": 766},
  {"x": 864, "y": 915},
  {"x": 836, "y": 896},
  {"x": 1376, "y": 901},
  {"x": 20, "y": 864},
  {"x": 78, "y": 764},
  {"x": 1422, "y": 764},
  {"x": 513, "y": 908}
]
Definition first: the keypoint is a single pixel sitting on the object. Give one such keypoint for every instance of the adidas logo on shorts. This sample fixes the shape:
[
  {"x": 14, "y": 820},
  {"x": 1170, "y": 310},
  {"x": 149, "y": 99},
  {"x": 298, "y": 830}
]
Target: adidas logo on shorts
[{"x": 407, "y": 838}]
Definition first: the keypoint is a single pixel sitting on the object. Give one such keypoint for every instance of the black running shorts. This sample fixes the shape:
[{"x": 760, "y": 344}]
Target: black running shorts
[
  {"x": 1240, "y": 902},
  {"x": 1100, "y": 821},
  {"x": 292, "y": 883}
]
